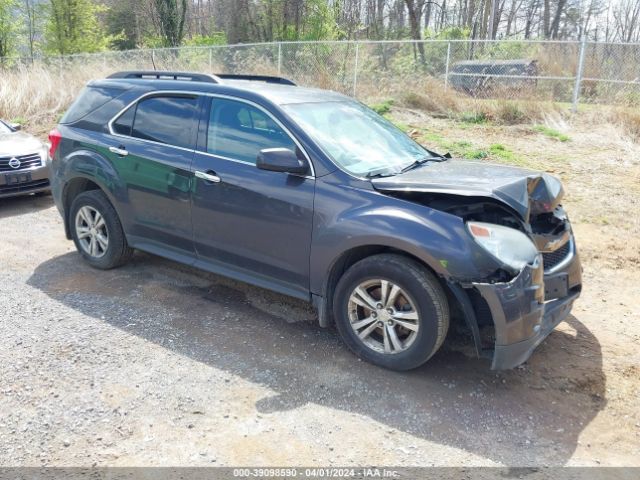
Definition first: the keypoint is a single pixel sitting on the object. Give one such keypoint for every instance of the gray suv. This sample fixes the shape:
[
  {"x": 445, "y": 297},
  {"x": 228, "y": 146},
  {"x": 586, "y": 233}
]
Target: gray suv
[{"x": 313, "y": 195}]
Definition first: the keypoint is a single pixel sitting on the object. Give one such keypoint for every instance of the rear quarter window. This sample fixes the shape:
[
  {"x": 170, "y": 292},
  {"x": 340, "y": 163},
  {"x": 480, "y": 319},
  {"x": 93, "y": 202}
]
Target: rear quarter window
[{"x": 90, "y": 99}]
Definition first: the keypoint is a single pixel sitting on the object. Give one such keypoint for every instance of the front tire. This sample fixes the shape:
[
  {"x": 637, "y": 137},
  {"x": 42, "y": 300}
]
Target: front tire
[
  {"x": 391, "y": 311},
  {"x": 97, "y": 232}
]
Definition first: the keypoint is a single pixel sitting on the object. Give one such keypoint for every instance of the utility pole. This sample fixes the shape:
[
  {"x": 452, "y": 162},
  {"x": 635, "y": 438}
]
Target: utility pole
[{"x": 492, "y": 19}]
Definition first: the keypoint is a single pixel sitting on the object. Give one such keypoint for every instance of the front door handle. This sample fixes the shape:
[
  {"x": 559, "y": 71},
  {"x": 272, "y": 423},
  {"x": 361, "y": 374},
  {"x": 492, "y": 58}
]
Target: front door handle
[
  {"x": 209, "y": 176},
  {"x": 119, "y": 151}
]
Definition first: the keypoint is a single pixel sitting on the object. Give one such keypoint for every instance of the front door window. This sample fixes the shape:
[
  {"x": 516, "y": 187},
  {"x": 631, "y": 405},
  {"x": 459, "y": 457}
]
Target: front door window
[{"x": 239, "y": 131}]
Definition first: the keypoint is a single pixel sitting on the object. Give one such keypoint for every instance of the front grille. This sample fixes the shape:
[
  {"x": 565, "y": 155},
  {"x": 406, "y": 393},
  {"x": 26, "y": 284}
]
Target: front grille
[
  {"x": 23, "y": 187},
  {"x": 26, "y": 161},
  {"x": 551, "y": 259}
]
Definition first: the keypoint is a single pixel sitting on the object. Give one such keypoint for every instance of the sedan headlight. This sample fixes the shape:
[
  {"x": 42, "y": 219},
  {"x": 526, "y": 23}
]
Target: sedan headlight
[
  {"x": 507, "y": 245},
  {"x": 44, "y": 153}
]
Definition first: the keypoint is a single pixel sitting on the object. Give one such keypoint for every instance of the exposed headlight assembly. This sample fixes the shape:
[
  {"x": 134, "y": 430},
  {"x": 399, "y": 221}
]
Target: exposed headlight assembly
[{"x": 507, "y": 245}]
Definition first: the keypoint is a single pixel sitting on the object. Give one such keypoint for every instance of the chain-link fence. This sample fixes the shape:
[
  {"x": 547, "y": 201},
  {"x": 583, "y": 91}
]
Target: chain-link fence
[{"x": 569, "y": 71}]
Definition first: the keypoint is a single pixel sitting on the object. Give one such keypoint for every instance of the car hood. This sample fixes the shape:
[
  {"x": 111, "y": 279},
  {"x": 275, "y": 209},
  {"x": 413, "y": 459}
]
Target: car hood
[
  {"x": 525, "y": 191},
  {"x": 18, "y": 143}
]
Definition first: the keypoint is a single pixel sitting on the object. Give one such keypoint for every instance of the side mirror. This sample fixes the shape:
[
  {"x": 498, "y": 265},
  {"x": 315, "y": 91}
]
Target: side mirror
[
  {"x": 16, "y": 126},
  {"x": 281, "y": 160}
]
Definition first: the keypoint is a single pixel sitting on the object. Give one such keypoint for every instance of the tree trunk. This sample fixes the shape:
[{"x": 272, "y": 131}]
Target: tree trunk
[
  {"x": 486, "y": 13},
  {"x": 415, "y": 14},
  {"x": 443, "y": 11},
  {"x": 553, "y": 32},
  {"x": 546, "y": 19}
]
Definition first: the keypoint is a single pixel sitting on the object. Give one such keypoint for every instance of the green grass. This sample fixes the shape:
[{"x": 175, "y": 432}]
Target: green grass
[
  {"x": 476, "y": 154},
  {"x": 402, "y": 126},
  {"x": 551, "y": 133},
  {"x": 504, "y": 153},
  {"x": 467, "y": 149},
  {"x": 432, "y": 138},
  {"x": 464, "y": 148},
  {"x": 382, "y": 108},
  {"x": 473, "y": 117}
]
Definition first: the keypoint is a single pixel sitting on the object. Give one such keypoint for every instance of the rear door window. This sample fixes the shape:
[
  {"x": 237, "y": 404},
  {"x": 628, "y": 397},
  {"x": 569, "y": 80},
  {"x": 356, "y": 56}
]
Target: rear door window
[
  {"x": 239, "y": 131},
  {"x": 165, "y": 119}
]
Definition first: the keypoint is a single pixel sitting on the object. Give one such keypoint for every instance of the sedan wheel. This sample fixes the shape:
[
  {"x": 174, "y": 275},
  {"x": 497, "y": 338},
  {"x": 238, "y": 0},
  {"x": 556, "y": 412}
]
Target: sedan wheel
[
  {"x": 383, "y": 316},
  {"x": 92, "y": 232}
]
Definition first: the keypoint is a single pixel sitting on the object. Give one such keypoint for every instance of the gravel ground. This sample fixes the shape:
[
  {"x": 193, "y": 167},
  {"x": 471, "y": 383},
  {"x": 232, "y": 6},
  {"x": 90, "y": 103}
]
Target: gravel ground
[{"x": 158, "y": 364}]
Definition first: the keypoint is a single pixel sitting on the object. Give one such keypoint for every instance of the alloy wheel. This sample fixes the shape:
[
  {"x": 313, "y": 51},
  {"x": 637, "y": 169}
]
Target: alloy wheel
[
  {"x": 92, "y": 233},
  {"x": 383, "y": 316}
]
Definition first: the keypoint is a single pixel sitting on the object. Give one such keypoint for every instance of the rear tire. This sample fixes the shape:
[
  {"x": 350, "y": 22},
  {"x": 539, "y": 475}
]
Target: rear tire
[
  {"x": 391, "y": 311},
  {"x": 97, "y": 232}
]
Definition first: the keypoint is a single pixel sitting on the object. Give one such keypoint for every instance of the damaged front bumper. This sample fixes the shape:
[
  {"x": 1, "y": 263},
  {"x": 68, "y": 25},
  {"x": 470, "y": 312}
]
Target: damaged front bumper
[{"x": 526, "y": 309}]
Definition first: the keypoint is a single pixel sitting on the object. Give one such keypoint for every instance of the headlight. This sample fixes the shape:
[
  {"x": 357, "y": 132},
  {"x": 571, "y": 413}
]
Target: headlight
[
  {"x": 44, "y": 153},
  {"x": 509, "y": 246}
]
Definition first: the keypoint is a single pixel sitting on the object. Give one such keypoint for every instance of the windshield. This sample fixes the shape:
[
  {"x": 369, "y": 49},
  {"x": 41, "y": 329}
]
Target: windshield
[
  {"x": 4, "y": 128},
  {"x": 356, "y": 138}
]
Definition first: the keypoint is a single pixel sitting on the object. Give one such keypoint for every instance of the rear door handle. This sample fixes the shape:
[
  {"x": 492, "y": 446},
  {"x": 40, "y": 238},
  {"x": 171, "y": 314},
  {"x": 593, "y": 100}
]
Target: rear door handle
[
  {"x": 208, "y": 176},
  {"x": 119, "y": 151}
]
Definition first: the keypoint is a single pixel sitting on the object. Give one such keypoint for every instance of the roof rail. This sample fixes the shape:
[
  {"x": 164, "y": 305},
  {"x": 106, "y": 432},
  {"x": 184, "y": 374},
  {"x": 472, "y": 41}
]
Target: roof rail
[
  {"x": 255, "y": 78},
  {"x": 198, "y": 77},
  {"x": 160, "y": 75}
]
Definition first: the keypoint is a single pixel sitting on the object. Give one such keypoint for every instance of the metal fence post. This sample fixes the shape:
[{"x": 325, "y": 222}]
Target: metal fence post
[
  {"x": 446, "y": 68},
  {"x": 210, "y": 59},
  {"x": 576, "y": 88},
  {"x": 279, "y": 58},
  {"x": 355, "y": 70}
]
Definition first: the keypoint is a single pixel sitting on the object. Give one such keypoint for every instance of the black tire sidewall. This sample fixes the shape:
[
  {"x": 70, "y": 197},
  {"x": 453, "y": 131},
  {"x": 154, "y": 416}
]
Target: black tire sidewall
[
  {"x": 116, "y": 250},
  {"x": 412, "y": 281}
]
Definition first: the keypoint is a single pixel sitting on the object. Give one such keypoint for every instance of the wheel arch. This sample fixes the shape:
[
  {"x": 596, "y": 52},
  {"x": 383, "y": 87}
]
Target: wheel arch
[
  {"x": 457, "y": 297},
  {"x": 74, "y": 187},
  {"x": 324, "y": 302}
]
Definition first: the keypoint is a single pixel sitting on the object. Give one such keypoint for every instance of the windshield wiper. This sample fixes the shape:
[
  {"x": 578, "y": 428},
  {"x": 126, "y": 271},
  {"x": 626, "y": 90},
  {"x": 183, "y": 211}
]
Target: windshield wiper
[
  {"x": 417, "y": 163},
  {"x": 380, "y": 175},
  {"x": 411, "y": 166}
]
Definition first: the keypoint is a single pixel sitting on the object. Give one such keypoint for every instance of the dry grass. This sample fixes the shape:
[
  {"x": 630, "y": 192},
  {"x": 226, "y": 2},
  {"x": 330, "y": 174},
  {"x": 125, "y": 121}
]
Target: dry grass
[
  {"x": 628, "y": 119},
  {"x": 443, "y": 105},
  {"x": 432, "y": 98},
  {"x": 37, "y": 96}
]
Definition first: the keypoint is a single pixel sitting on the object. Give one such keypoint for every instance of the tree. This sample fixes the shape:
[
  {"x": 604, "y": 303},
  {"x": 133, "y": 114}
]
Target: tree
[
  {"x": 8, "y": 27},
  {"x": 34, "y": 16},
  {"x": 555, "y": 25},
  {"x": 129, "y": 22},
  {"x": 170, "y": 17},
  {"x": 626, "y": 17},
  {"x": 89, "y": 25},
  {"x": 73, "y": 27},
  {"x": 415, "y": 17},
  {"x": 546, "y": 18}
]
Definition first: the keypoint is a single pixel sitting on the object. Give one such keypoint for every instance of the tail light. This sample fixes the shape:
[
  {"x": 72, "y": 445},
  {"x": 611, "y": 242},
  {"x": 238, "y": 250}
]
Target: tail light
[{"x": 54, "y": 140}]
